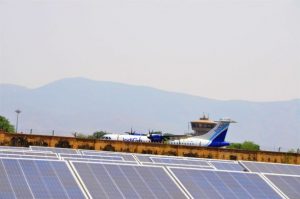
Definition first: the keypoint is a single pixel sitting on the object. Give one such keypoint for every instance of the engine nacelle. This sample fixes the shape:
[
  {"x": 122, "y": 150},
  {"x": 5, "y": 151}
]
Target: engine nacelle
[{"x": 156, "y": 137}]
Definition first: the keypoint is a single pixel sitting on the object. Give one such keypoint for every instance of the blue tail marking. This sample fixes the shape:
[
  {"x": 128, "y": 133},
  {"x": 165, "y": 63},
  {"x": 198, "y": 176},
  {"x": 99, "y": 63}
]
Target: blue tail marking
[{"x": 218, "y": 139}]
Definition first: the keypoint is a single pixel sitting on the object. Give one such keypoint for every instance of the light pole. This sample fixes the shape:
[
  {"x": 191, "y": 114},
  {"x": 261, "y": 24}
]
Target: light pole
[{"x": 18, "y": 112}]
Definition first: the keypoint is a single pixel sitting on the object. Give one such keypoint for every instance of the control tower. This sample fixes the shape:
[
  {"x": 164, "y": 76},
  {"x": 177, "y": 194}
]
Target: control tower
[{"x": 202, "y": 126}]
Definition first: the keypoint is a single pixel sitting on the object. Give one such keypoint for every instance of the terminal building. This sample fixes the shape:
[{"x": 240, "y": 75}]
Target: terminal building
[{"x": 202, "y": 126}]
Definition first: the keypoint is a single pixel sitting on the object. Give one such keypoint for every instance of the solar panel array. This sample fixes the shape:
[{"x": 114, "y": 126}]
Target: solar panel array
[
  {"x": 124, "y": 181},
  {"x": 219, "y": 184},
  {"x": 32, "y": 173},
  {"x": 37, "y": 179}
]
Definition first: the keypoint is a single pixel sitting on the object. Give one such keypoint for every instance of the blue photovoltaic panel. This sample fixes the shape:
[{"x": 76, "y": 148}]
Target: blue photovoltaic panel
[
  {"x": 178, "y": 165},
  {"x": 92, "y": 157},
  {"x": 98, "y": 160},
  {"x": 127, "y": 181},
  {"x": 289, "y": 185},
  {"x": 54, "y": 150},
  {"x": 179, "y": 161},
  {"x": 144, "y": 158},
  {"x": 14, "y": 148},
  {"x": 13, "y": 182},
  {"x": 272, "y": 168},
  {"x": 44, "y": 153},
  {"x": 216, "y": 160},
  {"x": 22, "y": 178},
  {"x": 126, "y": 157},
  {"x": 221, "y": 184},
  {"x": 28, "y": 156},
  {"x": 227, "y": 166}
]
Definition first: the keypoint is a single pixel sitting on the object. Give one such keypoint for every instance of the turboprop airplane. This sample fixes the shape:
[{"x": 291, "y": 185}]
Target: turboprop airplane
[{"x": 214, "y": 138}]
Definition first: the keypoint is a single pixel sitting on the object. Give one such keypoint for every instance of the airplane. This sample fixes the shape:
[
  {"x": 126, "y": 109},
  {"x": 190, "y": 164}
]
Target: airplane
[{"x": 214, "y": 138}]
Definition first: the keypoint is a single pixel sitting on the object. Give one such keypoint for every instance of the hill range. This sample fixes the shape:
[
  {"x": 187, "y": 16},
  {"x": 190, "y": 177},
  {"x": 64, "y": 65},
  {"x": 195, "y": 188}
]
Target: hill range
[{"x": 83, "y": 105}]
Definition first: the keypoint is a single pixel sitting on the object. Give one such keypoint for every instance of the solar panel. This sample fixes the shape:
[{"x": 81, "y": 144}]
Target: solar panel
[
  {"x": 272, "y": 168},
  {"x": 54, "y": 150},
  {"x": 229, "y": 166},
  {"x": 92, "y": 157},
  {"x": 147, "y": 158},
  {"x": 143, "y": 158},
  {"x": 98, "y": 160},
  {"x": 22, "y": 178},
  {"x": 40, "y": 153},
  {"x": 177, "y": 165},
  {"x": 28, "y": 156},
  {"x": 289, "y": 185},
  {"x": 126, "y": 156},
  {"x": 210, "y": 160},
  {"x": 179, "y": 161},
  {"x": 14, "y": 148},
  {"x": 126, "y": 181},
  {"x": 222, "y": 184}
]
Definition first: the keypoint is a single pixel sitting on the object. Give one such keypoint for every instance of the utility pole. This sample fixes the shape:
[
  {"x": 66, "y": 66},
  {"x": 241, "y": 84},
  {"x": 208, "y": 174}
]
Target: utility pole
[{"x": 18, "y": 112}]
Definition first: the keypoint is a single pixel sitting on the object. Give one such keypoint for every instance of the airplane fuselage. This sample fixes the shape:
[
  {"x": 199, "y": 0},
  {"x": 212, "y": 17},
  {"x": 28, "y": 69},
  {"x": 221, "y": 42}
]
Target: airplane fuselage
[
  {"x": 198, "y": 142},
  {"x": 127, "y": 138},
  {"x": 187, "y": 141}
]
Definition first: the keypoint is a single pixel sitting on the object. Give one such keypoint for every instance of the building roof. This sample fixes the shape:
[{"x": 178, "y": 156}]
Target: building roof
[{"x": 204, "y": 121}]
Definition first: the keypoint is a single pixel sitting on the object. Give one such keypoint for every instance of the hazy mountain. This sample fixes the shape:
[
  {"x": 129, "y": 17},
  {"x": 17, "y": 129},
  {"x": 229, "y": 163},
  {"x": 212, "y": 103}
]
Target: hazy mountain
[{"x": 83, "y": 105}]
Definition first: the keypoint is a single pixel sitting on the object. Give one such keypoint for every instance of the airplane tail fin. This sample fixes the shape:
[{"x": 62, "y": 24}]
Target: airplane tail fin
[{"x": 217, "y": 135}]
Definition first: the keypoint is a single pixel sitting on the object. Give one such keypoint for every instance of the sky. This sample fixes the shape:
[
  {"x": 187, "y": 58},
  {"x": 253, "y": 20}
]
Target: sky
[{"x": 222, "y": 49}]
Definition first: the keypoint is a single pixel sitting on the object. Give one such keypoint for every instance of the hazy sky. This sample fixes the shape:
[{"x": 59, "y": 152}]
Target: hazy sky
[{"x": 224, "y": 49}]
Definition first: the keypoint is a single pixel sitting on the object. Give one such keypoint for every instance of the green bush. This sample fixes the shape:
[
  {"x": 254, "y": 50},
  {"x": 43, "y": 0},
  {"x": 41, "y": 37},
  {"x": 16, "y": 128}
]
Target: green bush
[
  {"x": 247, "y": 145},
  {"x": 5, "y": 125}
]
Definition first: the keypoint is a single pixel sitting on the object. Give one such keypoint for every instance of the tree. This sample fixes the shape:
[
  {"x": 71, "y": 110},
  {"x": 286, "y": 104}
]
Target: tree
[
  {"x": 97, "y": 135},
  {"x": 247, "y": 145},
  {"x": 235, "y": 146},
  {"x": 80, "y": 135},
  {"x": 251, "y": 146},
  {"x": 5, "y": 125}
]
